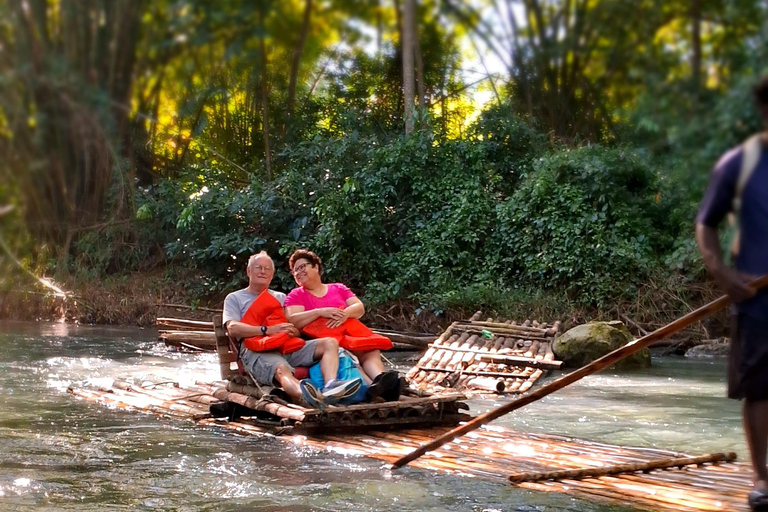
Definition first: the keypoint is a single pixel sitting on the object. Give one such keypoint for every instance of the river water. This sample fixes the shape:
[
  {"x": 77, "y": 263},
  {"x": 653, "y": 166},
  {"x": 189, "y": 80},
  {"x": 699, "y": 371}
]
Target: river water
[{"x": 61, "y": 453}]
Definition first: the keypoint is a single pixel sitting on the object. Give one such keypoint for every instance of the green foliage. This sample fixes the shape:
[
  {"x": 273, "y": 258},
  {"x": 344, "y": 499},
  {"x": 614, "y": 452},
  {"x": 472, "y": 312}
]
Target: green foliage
[
  {"x": 587, "y": 221},
  {"x": 434, "y": 220}
]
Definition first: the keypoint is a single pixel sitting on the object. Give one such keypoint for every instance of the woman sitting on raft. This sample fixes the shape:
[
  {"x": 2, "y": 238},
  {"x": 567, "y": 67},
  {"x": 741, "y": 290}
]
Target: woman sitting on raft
[{"x": 332, "y": 310}]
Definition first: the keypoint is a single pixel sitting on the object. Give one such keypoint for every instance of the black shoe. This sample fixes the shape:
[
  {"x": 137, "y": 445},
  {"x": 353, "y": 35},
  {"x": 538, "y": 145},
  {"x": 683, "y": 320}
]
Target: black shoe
[{"x": 386, "y": 385}]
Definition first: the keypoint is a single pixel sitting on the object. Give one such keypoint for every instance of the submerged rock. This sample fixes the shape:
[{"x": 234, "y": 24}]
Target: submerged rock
[
  {"x": 710, "y": 349},
  {"x": 587, "y": 342}
]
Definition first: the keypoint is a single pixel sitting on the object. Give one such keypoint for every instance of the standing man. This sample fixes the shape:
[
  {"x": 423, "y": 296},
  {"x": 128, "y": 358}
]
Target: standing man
[
  {"x": 271, "y": 367},
  {"x": 739, "y": 184}
]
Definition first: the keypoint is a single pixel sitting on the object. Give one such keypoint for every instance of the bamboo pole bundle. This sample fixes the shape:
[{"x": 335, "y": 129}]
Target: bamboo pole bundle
[
  {"x": 469, "y": 352},
  {"x": 180, "y": 324},
  {"x": 522, "y": 330},
  {"x": 483, "y": 373},
  {"x": 457, "y": 360},
  {"x": 447, "y": 334},
  {"x": 202, "y": 339},
  {"x": 141, "y": 398},
  {"x": 129, "y": 400},
  {"x": 441, "y": 358},
  {"x": 174, "y": 394},
  {"x": 245, "y": 389},
  {"x": 279, "y": 410},
  {"x": 499, "y": 331}
]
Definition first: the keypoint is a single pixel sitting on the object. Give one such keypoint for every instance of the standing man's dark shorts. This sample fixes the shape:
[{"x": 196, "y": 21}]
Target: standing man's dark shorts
[{"x": 748, "y": 358}]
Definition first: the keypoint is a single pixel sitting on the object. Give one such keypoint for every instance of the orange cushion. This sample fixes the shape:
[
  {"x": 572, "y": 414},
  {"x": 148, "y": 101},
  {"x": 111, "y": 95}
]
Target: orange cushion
[
  {"x": 266, "y": 310},
  {"x": 352, "y": 334}
]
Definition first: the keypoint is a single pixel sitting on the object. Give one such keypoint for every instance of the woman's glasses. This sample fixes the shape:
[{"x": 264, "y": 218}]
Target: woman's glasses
[{"x": 299, "y": 268}]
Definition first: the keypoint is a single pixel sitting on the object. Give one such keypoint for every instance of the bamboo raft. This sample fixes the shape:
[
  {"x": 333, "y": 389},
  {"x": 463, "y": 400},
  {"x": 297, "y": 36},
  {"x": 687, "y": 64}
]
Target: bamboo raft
[
  {"x": 643, "y": 478},
  {"x": 487, "y": 357}
]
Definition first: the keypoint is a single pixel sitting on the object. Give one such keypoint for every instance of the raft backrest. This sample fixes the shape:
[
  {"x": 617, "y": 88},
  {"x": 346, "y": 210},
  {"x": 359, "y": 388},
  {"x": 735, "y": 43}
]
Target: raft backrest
[{"x": 227, "y": 355}]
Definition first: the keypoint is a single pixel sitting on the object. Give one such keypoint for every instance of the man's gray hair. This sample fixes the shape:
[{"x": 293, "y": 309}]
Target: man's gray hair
[{"x": 262, "y": 254}]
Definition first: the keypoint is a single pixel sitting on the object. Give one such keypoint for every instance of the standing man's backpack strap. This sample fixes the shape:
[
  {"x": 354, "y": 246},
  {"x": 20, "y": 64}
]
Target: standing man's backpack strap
[{"x": 752, "y": 149}]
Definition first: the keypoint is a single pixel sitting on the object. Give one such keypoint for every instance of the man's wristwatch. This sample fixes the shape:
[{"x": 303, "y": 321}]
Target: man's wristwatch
[{"x": 263, "y": 330}]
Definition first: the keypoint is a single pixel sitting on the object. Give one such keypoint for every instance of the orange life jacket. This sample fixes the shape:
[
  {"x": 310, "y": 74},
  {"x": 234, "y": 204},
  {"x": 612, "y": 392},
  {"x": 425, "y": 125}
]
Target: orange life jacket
[
  {"x": 352, "y": 335},
  {"x": 266, "y": 310}
]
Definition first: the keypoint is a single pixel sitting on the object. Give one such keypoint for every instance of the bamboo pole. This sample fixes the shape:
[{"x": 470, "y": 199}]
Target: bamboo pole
[
  {"x": 523, "y": 335},
  {"x": 510, "y": 359},
  {"x": 476, "y": 373},
  {"x": 595, "y": 366},
  {"x": 177, "y": 324},
  {"x": 258, "y": 405},
  {"x": 595, "y": 472}
]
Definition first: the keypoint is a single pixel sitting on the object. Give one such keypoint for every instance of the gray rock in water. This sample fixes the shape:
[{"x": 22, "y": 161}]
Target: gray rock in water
[
  {"x": 587, "y": 342},
  {"x": 709, "y": 349}
]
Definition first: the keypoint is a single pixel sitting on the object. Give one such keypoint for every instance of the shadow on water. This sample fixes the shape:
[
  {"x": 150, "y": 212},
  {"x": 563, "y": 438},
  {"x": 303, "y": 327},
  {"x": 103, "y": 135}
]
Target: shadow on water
[{"x": 60, "y": 453}]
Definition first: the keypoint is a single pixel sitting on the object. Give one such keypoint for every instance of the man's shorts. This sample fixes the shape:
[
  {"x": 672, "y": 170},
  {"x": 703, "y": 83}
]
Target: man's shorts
[
  {"x": 748, "y": 359},
  {"x": 262, "y": 365}
]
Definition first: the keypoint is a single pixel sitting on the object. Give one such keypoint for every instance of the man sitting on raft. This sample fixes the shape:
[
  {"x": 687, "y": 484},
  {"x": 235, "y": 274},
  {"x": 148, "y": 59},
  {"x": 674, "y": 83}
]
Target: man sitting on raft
[
  {"x": 332, "y": 310},
  {"x": 270, "y": 345}
]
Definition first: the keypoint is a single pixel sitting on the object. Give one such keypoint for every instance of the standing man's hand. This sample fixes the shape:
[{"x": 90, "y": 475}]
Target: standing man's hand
[{"x": 735, "y": 284}]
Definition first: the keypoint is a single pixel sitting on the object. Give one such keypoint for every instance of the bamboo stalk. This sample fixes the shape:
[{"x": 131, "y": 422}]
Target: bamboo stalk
[
  {"x": 486, "y": 383},
  {"x": 541, "y": 336},
  {"x": 183, "y": 323},
  {"x": 623, "y": 468},
  {"x": 521, "y": 328},
  {"x": 477, "y": 373},
  {"x": 597, "y": 365}
]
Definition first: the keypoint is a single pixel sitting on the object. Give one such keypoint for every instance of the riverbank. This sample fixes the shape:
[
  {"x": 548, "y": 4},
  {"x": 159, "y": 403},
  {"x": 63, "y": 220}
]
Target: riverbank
[{"x": 138, "y": 298}]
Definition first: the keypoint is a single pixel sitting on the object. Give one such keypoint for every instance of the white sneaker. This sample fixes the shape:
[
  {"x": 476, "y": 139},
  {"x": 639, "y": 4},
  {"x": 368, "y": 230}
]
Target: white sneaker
[{"x": 337, "y": 390}]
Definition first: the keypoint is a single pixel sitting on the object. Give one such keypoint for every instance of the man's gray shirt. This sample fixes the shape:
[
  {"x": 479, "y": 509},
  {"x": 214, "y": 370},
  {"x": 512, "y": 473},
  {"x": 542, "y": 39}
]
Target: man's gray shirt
[{"x": 237, "y": 303}]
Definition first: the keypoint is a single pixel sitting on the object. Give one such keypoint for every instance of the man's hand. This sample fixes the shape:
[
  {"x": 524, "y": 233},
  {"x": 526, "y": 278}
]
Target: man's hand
[
  {"x": 338, "y": 317},
  {"x": 285, "y": 327},
  {"x": 735, "y": 284}
]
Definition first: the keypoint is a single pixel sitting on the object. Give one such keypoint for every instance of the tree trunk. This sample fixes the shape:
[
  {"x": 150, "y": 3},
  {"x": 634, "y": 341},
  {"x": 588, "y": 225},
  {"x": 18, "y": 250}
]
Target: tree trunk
[
  {"x": 407, "y": 43},
  {"x": 296, "y": 60},
  {"x": 422, "y": 86},
  {"x": 696, "y": 44},
  {"x": 265, "y": 109}
]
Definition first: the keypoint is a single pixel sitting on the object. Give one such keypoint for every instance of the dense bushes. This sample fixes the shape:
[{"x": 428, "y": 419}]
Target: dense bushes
[
  {"x": 437, "y": 221},
  {"x": 587, "y": 221}
]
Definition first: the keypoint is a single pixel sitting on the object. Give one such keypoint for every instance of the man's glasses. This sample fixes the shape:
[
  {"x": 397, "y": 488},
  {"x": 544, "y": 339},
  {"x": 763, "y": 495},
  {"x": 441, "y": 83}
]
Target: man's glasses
[
  {"x": 299, "y": 268},
  {"x": 259, "y": 268}
]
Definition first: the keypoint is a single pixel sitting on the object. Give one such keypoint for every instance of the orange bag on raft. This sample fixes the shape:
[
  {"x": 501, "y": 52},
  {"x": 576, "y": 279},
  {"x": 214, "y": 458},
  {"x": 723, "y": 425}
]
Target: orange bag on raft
[
  {"x": 266, "y": 310},
  {"x": 352, "y": 335}
]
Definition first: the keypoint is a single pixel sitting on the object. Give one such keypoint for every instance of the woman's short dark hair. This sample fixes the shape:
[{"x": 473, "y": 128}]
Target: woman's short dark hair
[
  {"x": 311, "y": 257},
  {"x": 761, "y": 91}
]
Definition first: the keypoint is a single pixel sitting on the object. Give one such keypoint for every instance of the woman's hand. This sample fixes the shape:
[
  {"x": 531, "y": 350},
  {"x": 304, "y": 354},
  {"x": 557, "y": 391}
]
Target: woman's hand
[
  {"x": 338, "y": 317},
  {"x": 326, "y": 312}
]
